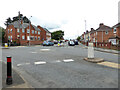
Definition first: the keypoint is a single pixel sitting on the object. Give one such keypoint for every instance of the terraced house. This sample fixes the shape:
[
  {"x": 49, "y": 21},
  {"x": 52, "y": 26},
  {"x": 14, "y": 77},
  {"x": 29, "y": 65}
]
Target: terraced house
[
  {"x": 23, "y": 33},
  {"x": 104, "y": 34}
]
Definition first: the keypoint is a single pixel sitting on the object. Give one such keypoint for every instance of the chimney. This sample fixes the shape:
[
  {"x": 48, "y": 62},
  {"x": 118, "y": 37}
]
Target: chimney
[
  {"x": 92, "y": 29},
  {"x": 101, "y": 24}
]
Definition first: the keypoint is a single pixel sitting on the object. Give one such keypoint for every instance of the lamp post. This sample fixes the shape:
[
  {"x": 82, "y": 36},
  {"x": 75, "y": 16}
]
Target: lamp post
[{"x": 29, "y": 29}]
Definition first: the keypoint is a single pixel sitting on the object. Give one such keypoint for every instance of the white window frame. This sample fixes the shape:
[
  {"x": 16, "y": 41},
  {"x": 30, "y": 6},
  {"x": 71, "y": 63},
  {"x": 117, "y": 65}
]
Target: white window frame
[
  {"x": 23, "y": 37},
  {"x": 35, "y": 37},
  {"x": 11, "y": 30},
  {"x": 9, "y": 37},
  {"x": 38, "y": 32},
  {"x": 31, "y": 38},
  {"x": 38, "y": 37},
  {"x": 23, "y": 30},
  {"x": 18, "y": 30},
  {"x": 8, "y": 31},
  {"x": 28, "y": 30},
  {"x": 106, "y": 32},
  {"x": 32, "y": 31},
  {"x": 115, "y": 30},
  {"x": 35, "y": 32}
]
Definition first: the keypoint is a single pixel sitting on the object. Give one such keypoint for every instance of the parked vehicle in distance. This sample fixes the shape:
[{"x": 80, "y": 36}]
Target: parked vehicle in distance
[
  {"x": 71, "y": 43},
  {"x": 76, "y": 42},
  {"x": 48, "y": 43},
  {"x": 55, "y": 42}
]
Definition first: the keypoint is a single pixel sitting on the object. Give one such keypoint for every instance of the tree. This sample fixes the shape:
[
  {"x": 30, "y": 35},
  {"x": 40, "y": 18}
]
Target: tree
[
  {"x": 78, "y": 38},
  {"x": 2, "y": 33},
  {"x": 57, "y": 35},
  {"x": 16, "y": 18},
  {"x": 8, "y": 21}
]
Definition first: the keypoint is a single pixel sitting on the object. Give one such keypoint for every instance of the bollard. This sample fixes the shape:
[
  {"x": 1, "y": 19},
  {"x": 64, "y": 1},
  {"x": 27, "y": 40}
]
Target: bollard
[
  {"x": 9, "y": 71},
  {"x": 90, "y": 51}
]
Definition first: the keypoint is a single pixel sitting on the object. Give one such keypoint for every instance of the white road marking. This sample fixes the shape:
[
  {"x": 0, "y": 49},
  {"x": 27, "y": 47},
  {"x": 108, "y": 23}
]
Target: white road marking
[
  {"x": 23, "y": 64},
  {"x": 33, "y": 52},
  {"x": 68, "y": 60},
  {"x": 58, "y": 61},
  {"x": 40, "y": 62},
  {"x": 44, "y": 49},
  {"x": 19, "y": 65}
]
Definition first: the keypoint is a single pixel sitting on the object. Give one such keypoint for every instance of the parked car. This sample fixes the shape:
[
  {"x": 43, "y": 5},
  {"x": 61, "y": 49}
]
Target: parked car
[
  {"x": 71, "y": 43},
  {"x": 76, "y": 42},
  {"x": 48, "y": 43},
  {"x": 55, "y": 42}
]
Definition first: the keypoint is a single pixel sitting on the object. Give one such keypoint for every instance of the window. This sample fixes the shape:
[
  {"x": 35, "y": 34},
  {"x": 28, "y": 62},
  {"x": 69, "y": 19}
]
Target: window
[
  {"x": 32, "y": 38},
  {"x": 28, "y": 38},
  {"x": 28, "y": 31},
  {"x": 35, "y": 32},
  {"x": 8, "y": 31},
  {"x": 106, "y": 32},
  {"x": 32, "y": 31},
  {"x": 9, "y": 37},
  {"x": 11, "y": 30},
  {"x": 38, "y": 38},
  {"x": 23, "y": 37},
  {"x": 96, "y": 33},
  {"x": 35, "y": 37},
  {"x": 18, "y": 30},
  {"x": 23, "y": 30},
  {"x": 114, "y": 30},
  {"x": 39, "y": 33},
  {"x": 18, "y": 36}
]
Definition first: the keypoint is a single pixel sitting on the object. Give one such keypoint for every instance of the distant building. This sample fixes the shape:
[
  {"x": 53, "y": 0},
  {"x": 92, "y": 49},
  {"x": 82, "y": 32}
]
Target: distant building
[{"x": 18, "y": 32}]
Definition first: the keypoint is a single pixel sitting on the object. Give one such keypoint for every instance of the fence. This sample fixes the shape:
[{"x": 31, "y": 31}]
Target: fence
[{"x": 105, "y": 45}]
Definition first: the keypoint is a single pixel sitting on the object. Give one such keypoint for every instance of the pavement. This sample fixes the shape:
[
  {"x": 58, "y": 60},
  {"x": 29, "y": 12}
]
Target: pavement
[{"x": 18, "y": 80}]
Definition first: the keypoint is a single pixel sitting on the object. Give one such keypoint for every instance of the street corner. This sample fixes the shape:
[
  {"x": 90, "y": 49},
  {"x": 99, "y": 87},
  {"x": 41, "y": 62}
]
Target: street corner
[
  {"x": 17, "y": 79},
  {"x": 94, "y": 60}
]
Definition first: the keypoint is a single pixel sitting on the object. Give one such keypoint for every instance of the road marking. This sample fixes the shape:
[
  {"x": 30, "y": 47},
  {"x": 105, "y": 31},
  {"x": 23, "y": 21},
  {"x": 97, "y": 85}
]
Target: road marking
[
  {"x": 23, "y": 64},
  {"x": 68, "y": 60},
  {"x": 110, "y": 64},
  {"x": 33, "y": 52},
  {"x": 40, "y": 62},
  {"x": 58, "y": 61},
  {"x": 44, "y": 49}
]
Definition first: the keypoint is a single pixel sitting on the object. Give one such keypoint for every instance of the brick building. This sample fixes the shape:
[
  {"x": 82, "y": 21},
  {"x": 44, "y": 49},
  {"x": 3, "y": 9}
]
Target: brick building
[
  {"x": 103, "y": 34},
  {"x": 19, "y": 32}
]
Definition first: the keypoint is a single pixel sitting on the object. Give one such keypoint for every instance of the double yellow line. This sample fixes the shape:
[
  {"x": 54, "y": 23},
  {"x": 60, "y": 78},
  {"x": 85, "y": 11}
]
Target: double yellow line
[{"x": 110, "y": 64}]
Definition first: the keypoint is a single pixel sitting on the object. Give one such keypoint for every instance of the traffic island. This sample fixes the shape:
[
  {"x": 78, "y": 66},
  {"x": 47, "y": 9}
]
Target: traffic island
[
  {"x": 91, "y": 57},
  {"x": 94, "y": 60}
]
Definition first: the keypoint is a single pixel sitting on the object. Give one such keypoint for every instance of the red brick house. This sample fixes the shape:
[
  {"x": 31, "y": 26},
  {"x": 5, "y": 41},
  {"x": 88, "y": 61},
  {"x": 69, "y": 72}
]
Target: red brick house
[
  {"x": 103, "y": 33},
  {"x": 115, "y": 38},
  {"x": 19, "y": 32}
]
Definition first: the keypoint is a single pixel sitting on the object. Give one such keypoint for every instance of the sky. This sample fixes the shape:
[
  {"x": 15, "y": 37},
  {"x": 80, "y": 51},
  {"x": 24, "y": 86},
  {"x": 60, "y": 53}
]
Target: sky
[{"x": 66, "y": 15}]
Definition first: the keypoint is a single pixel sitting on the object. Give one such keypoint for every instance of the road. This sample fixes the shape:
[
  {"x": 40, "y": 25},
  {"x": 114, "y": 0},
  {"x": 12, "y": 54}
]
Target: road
[{"x": 62, "y": 67}]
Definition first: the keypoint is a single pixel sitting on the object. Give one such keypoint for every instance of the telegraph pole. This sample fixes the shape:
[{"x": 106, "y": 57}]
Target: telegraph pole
[
  {"x": 19, "y": 27},
  {"x": 29, "y": 30}
]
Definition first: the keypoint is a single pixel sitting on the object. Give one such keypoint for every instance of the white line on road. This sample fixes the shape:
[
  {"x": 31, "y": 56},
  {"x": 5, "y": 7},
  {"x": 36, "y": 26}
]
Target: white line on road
[
  {"x": 68, "y": 60},
  {"x": 40, "y": 62},
  {"x": 33, "y": 52},
  {"x": 58, "y": 61},
  {"x": 23, "y": 64},
  {"x": 44, "y": 49}
]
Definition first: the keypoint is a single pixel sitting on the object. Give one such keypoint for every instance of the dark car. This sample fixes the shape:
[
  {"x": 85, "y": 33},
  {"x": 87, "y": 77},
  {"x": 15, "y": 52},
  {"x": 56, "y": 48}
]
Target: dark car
[
  {"x": 48, "y": 43},
  {"x": 71, "y": 43},
  {"x": 76, "y": 42},
  {"x": 55, "y": 42}
]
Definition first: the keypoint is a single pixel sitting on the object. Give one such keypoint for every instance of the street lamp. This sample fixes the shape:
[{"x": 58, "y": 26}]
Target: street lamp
[{"x": 29, "y": 29}]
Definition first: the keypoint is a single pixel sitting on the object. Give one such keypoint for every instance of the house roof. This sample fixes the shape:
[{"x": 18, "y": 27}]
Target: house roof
[
  {"x": 117, "y": 25},
  {"x": 46, "y": 30},
  {"x": 24, "y": 25},
  {"x": 104, "y": 28}
]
